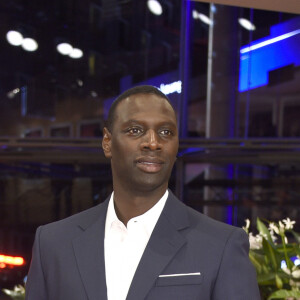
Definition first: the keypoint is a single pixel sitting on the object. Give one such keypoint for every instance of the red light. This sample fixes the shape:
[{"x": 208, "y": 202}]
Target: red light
[
  {"x": 2, "y": 265},
  {"x": 11, "y": 260}
]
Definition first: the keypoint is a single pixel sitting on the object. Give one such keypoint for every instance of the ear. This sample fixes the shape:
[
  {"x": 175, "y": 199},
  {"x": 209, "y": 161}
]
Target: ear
[{"x": 106, "y": 143}]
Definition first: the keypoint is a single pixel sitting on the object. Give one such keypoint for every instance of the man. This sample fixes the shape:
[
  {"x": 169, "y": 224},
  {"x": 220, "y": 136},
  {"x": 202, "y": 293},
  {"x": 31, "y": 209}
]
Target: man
[{"x": 142, "y": 242}]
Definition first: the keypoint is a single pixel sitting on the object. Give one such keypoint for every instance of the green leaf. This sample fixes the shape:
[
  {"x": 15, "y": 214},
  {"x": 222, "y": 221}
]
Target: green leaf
[
  {"x": 266, "y": 279},
  {"x": 266, "y": 269},
  {"x": 296, "y": 236},
  {"x": 259, "y": 256},
  {"x": 255, "y": 261},
  {"x": 278, "y": 281},
  {"x": 297, "y": 251},
  {"x": 270, "y": 278},
  {"x": 271, "y": 254},
  {"x": 283, "y": 294},
  {"x": 263, "y": 230},
  {"x": 290, "y": 249}
]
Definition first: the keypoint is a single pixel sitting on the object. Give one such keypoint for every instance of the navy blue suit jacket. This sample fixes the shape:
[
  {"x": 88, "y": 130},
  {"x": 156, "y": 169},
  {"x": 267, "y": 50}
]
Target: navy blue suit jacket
[{"x": 199, "y": 258}]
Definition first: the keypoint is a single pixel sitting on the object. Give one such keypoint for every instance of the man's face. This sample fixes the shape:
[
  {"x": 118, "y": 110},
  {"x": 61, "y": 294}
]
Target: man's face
[{"x": 143, "y": 143}]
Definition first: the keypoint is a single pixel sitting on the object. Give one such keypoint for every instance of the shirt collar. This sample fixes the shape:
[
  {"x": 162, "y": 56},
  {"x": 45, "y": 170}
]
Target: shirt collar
[{"x": 148, "y": 219}]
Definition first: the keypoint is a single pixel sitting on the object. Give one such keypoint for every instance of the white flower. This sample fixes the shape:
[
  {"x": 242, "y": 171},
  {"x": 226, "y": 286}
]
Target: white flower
[
  {"x": 288, "y": 223},
  {"x": 273, "y": 237},
  {"x": 281, "y": 227},
  {"x": 263, "y": 235},
  {"x": 246, "y": 227},
  {"x": 295, "y": 272},
  {"x": 17, "y": 291},
  {"x": 255, "y": 241},
  {"x": 247, "y": 223},
  {"x": 286, "y": 270},
  {"x": 273, "y": 228},
  {"x": 294, "y": 284}
]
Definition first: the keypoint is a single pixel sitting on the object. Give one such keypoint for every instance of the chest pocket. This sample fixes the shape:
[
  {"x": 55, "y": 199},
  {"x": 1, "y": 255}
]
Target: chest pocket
[{"x": 179, "y": 280}]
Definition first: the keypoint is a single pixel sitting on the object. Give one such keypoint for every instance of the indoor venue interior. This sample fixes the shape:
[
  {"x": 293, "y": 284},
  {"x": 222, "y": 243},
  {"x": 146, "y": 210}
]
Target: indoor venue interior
[{"x": 232, "y": 73}]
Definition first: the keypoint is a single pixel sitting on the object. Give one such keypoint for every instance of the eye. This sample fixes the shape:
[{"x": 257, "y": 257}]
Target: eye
[
  {"x": 166, "y": 132},
  {"x": 134, "y": 131}
]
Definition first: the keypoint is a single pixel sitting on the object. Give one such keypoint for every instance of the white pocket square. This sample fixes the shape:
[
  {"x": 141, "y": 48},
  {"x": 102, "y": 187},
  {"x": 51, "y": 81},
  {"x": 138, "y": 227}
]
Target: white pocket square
[{"x": 180, "y": 274}]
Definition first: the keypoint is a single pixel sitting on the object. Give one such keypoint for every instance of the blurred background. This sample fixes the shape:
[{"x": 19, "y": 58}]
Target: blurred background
[{"x": 233, "y": 74}]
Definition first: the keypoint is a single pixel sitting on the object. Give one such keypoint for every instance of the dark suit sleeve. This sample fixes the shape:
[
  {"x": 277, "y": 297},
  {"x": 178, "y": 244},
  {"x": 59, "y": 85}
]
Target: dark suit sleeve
[
  {"x": 236, "y": 277},
  {"x": 35, "y": 285}
]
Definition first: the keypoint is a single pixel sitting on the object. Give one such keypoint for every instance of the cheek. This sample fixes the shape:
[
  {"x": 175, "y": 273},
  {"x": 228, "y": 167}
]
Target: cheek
[
  {"x": 172, "y": 151},
  {"x": 120, "y": 151}
]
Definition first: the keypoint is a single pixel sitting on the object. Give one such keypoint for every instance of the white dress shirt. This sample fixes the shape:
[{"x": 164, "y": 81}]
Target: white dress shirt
[{"x": 124, "y": 247}]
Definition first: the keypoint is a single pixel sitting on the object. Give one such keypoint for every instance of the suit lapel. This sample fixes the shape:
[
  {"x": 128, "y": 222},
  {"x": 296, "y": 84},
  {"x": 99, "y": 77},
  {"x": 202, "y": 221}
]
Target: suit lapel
[
  {"x": 164, "y": 243},
  {"x": 89, "y": 252}
]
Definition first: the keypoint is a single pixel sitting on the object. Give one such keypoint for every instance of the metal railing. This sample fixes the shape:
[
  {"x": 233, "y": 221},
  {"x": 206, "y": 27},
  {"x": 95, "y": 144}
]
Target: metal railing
[{"x": 69, "y": 150}]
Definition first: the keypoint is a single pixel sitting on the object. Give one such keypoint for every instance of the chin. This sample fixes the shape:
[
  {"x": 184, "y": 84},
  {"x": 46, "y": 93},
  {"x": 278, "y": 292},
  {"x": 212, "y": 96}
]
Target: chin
[{"x": 150, "y": 184}]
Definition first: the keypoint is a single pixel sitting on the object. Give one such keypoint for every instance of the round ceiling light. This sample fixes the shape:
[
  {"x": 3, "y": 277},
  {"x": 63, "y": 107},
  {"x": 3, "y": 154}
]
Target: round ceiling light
[
  {"x": 15, "y": 38},
  {"x": 29, "y": 44},
  {"x": 64, "y": 48},
  {"x": 76, "y": 53},
  {"x": 155, "y": 7}
]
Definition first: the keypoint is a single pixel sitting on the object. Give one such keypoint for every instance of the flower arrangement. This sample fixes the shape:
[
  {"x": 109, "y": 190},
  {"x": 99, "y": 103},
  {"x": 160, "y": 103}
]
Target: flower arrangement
[
  {"x": 18, "y": 293},
  {"x": 276, "y": 260}
]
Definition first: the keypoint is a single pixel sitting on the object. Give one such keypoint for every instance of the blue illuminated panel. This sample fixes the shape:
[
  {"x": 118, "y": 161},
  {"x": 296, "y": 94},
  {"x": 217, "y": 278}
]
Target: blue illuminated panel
[{"x": 279, "y": 49}]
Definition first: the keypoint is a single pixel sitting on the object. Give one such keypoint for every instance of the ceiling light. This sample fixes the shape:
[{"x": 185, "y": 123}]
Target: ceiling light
[
  {"x": 29, "y": 44},
  {"x": 204, "y": 19},
  {"x": 79, "y": 82},
  {"x": 201, "y": 17},
  {"x": 94, "y": 94},
  {"x": 195, "y": 14},
  {"x": 13, "y": 93},
  {"x": 64, "y": 48},
  {"x": 247, "y": 24},
  {"x": 155, "y": 7},
  {"x": 76, "y": 53},
  {"x": 15, "y": 38}
]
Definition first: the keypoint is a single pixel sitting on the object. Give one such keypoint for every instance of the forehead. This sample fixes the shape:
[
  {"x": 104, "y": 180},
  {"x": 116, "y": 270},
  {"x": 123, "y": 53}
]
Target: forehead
[{"x": 145, "y": 106}]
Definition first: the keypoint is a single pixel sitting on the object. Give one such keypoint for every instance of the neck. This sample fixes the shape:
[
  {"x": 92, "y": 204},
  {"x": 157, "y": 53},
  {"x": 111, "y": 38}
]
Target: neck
[{"x": 130, "y": 204}]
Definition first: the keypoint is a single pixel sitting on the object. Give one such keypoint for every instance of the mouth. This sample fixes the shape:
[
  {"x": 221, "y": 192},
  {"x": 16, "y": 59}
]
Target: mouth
[{"x": 149, "y": 164}]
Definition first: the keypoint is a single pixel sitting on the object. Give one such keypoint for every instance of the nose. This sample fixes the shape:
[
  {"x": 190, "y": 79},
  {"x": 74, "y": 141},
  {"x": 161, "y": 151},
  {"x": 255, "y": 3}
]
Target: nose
[{"x": 151, "y": 141}]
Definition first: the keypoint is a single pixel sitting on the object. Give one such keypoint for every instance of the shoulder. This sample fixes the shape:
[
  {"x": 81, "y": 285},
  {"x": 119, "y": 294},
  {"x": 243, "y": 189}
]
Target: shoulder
[
  {"x": 214, "y": 230},
  {"x": 202, "y": 227},
  {"x": 71, "y": 226},
  {"x": 201, "y": 221}
]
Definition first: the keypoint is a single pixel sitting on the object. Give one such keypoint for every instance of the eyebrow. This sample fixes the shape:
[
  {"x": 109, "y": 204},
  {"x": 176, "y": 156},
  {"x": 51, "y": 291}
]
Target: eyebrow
[{"x": 163, "y": 123}]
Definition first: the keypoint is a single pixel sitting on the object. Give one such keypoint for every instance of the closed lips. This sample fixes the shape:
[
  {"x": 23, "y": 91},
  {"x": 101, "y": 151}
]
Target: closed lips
[
  {"x": 149, "y": 160},
  {"x": 149, "y": 164}
]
